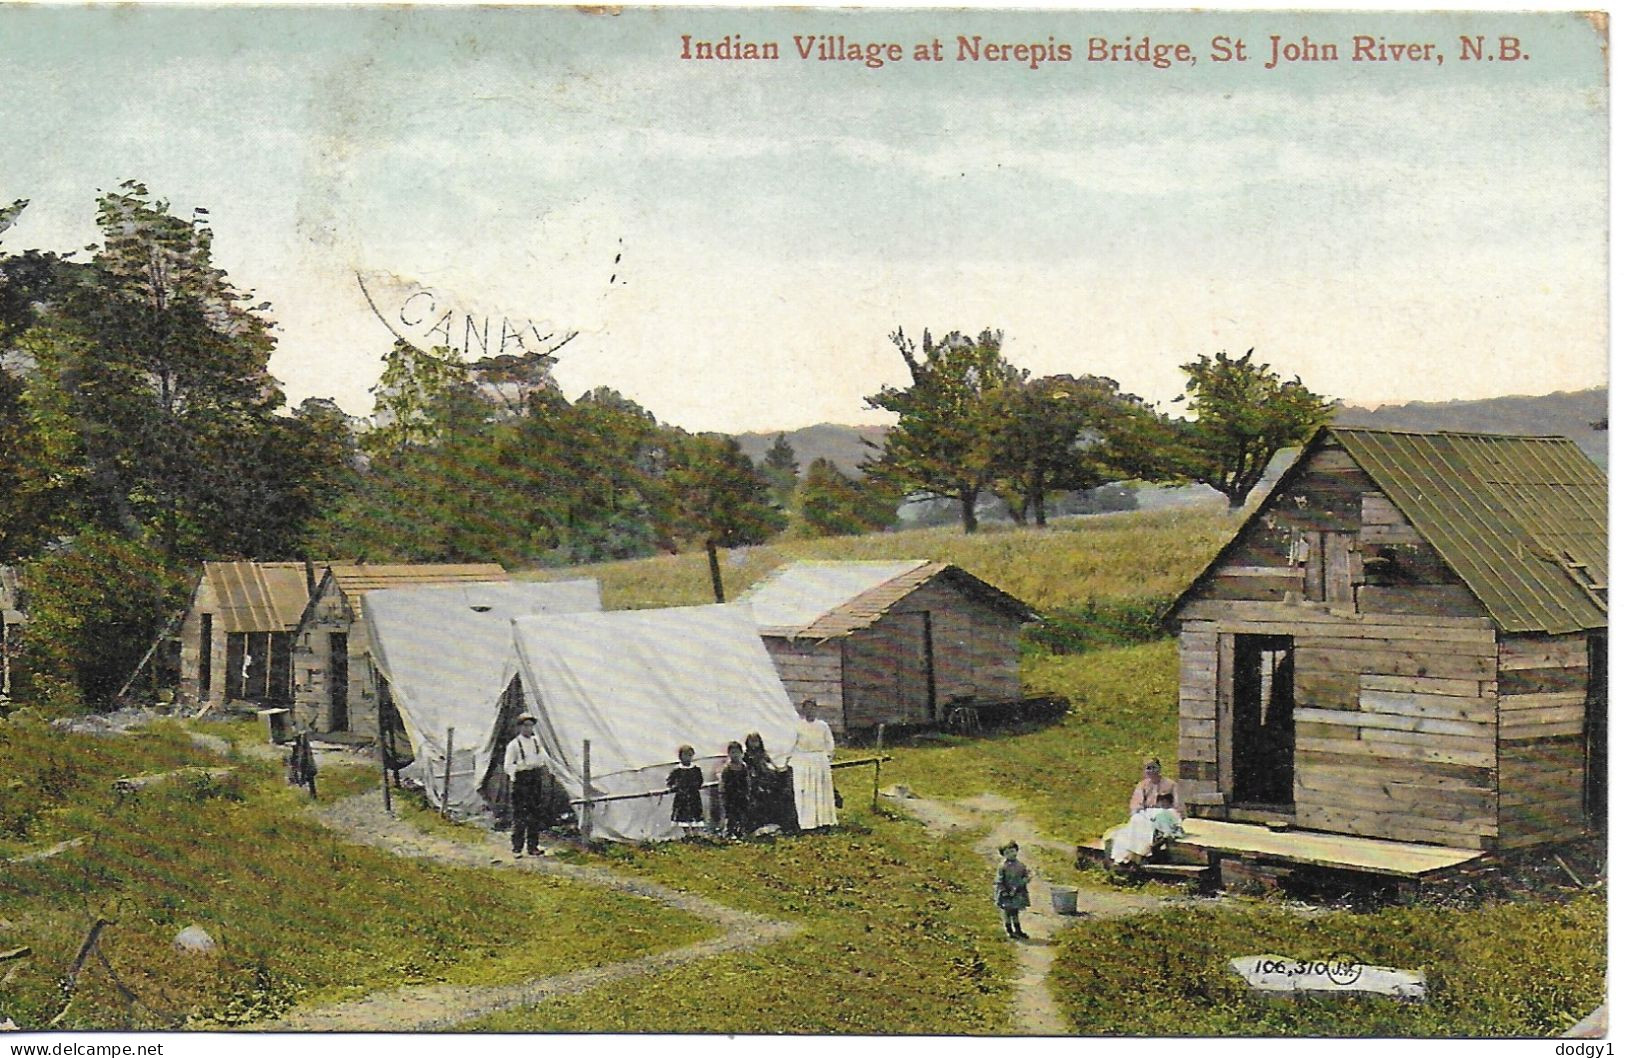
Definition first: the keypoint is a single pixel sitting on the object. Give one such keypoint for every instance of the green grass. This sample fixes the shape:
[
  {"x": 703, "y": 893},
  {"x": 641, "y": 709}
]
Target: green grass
[
  {"x": 1502, "y": 970},
  {"x": 1154, "y": 554},
  {"x": 901, "y": 936},
  {"x": 300, "y": 915},
  {"x": 1072, "y": 778}
]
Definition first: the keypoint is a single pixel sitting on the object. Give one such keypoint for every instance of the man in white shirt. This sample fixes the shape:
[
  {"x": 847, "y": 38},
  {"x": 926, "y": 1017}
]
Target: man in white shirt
[{"x": 527, "y": 774}]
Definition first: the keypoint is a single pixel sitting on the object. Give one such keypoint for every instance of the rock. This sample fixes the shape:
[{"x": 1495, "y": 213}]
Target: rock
[
  {"x": 902, "y": 792},
  {"x": 194, "y": 939},
  {"x": 8, "y": 1026}
]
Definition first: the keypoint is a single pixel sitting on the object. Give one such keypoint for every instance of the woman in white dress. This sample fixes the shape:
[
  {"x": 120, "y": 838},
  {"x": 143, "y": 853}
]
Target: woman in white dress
[{"x": 809, "y": 762}]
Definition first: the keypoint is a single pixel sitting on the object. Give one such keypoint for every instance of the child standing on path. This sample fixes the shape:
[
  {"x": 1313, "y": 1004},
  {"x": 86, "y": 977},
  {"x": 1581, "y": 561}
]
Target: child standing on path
[
  {"x": 685, "y": 781},
  {"x": 1010, "y": 889}
]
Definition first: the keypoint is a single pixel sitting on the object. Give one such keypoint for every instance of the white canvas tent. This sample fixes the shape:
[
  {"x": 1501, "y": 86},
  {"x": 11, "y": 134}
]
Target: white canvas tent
[
  {"x": 442, "y": 652},
  {"x": 638, "y": 683}
]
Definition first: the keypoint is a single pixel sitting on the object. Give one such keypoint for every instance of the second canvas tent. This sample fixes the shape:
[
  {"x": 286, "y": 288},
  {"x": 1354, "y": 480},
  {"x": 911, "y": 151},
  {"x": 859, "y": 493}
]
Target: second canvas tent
[
  {"x": 440, "y": 653},
  {"x": 637, "y": 684}
]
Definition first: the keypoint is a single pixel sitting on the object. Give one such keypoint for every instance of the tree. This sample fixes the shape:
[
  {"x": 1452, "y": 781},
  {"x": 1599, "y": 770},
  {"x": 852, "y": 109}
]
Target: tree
[
  {"x": 721, "y": 499},
  {"x": 1244, "y": 414},
  {"x": 163, "y": 371},
  {"x": 948, "y": 418},
  {"x": 781, "y": 470},
  {"x": 831, "y": 504}
]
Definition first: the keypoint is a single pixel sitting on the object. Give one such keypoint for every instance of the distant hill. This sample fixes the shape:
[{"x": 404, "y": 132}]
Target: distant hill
[
  {"x": 1560, "y": 414},
  {"x": 841, "y": 444},
  {"x": 1555, "y": 414}
]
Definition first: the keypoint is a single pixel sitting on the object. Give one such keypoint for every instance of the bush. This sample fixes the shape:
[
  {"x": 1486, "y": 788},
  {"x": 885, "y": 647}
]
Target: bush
[
  {"x": 1110, "y": 622},
  {"x": 94, "y": 609}
]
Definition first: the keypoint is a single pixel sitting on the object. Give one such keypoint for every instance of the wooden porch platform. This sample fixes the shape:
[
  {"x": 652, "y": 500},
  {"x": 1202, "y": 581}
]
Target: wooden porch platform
[{"x": 1395, "y": 859}]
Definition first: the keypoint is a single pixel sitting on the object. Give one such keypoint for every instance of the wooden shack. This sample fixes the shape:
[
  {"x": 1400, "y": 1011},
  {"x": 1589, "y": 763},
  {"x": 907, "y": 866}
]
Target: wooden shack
[
  {"x": 236, "y": 640},
  {"x": 888, "y": 642},
  {"x": 1407, "y": 641},
  {"x": 335, "y": 687},
  {"x": 12, "y": 619}
]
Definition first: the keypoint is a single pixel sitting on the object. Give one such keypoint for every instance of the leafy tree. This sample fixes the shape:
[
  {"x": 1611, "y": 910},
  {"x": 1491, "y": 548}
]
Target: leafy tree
[
  {"x": 948, "y": 418},
  {"x": 1244, "y": 414},
  {"x": 781, "y": 470},
  {"x": 412, "y": 395},
  {"x": 720, "y": 497},
  {"x": 95, "y": 606},
  {"x": 1065, "y": 433},
  {"x": 831, "y": 504}
]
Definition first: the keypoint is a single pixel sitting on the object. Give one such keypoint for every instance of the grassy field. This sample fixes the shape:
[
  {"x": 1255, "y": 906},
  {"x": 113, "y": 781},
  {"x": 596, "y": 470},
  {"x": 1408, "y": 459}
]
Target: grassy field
[
  {"x": 300, "y": 915},
  {"x": 1512, "y": 969},
  {"x": 1073, "y": 561},
  {"x": 901, "y": 936}
]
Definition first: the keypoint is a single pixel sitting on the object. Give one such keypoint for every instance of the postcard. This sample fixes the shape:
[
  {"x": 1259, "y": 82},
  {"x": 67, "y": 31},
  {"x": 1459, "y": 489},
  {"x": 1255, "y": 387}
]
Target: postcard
[{"x": 793, "y": 521}]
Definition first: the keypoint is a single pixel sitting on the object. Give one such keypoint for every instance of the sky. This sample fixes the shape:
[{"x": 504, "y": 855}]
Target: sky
[{"x": 732, "y": 242}]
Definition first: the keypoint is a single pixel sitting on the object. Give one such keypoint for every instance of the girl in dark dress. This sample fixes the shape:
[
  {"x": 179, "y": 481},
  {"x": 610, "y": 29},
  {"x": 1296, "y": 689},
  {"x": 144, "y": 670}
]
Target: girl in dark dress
[
  {"x": 734, "y": 778},
  {"x": 772, "y": 800},
  {"x": 685, "y": 781}
]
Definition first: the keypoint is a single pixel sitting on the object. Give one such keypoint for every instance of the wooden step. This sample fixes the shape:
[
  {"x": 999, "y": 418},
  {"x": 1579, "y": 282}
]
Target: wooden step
[{"x": 1184, "y": 871}]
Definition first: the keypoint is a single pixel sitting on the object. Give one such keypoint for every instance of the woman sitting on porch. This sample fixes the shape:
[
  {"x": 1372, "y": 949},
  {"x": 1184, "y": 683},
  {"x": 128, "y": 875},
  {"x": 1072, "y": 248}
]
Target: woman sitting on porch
[{"x": 1154, "y": 814}]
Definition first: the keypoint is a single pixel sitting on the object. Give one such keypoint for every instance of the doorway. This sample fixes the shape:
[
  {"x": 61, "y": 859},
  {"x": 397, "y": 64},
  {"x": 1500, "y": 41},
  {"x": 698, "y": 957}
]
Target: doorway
[
  {"x": 1596, "y": 734},
  {"x": 338, "y": 681},
  {"x": 1261, "y": 724}
]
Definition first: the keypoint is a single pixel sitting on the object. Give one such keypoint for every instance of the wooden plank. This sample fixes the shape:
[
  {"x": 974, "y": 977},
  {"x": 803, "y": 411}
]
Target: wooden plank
[
  {"x": 1478, "y": 647},
  {"x": 1399, "y": 826},
  {"x": 1381, "y": 748},
  {"x": 1553, "y": 729},
  {"x": 1435, "y": 811},
  {"x": 1398, "y": 859},
  {"x": 1451, "y": 600},
  {"x": 1482, "y": 740},
  {"x": 1198, "y": 749},
  {"x": 1299, "y": 613},
  {"x": 1543, "y": 681},
  {"x": 1551, "y": 655},
  {"x": 1516, "y": 703},
  {"x": 1310, "y": 729},
  {"x": 1359, "y": 768},
  {"x": 1329, "y": 690},
  {"x": 1370, "y": 681},
  {"x": 1399, "y": 663},
  {"x": 1393, "y": 722},
  {"x": 1203, "y": 729},
  {"x": 1292, "y": 573},
  {"x": 1436, "y": 706},
  {"x": 1189, "y": 710}
]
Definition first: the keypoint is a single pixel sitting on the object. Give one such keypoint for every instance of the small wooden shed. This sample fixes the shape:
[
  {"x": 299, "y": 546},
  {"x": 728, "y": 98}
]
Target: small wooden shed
[
  {"x": 334, "y": 684},
  {"x": 1407, "y": 641},
  {"x": 888, "y": 642},
  {"x": 237, "y": 637},
  {"x": 12, "y": 620}
]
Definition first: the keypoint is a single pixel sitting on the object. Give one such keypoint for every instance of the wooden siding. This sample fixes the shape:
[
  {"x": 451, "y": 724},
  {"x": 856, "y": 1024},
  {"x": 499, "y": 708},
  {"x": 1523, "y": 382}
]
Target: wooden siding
[
  {"x": 1542, "y": 737},
  {"x": 811, "y": 670},
  {"x": 1394, "y": 665},
  {"x": 975, "y": 652},
  {"x": 328, "y": 613},
  {"x": 204, "y": 601}
]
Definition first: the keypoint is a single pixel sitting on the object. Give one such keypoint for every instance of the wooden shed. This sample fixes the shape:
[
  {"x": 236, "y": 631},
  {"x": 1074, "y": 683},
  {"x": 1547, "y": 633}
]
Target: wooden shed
[
  {"x": 236, "y": 640},
  {"x": 334, "y": 684},
  {"x": 12, "y": 620},
  {"x": 888, "y": 642},
  {"x": 1406, "y": 641}
]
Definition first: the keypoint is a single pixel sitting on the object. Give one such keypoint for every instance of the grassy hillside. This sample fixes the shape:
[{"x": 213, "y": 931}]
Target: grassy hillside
[
  {"x": 1131, "y": 555},
  {"x": 300, "y": 914}
]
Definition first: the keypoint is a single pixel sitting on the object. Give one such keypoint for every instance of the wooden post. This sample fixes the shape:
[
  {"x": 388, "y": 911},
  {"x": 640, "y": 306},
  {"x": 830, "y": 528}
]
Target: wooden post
[
  {"x": 586, "y": 789},
  {"x": 716, "y": 570},
  {"x": 880, "y": 749},
  {"x": 445, "y": 786},
  {"x": 383, "y": 756}
]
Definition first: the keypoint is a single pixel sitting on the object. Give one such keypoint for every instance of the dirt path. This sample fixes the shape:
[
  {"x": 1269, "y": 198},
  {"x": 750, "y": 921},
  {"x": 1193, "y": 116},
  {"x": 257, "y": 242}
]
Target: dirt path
[
  {"x": 422, "y": 1007},
  {"x": 1035, "y": 1012}
]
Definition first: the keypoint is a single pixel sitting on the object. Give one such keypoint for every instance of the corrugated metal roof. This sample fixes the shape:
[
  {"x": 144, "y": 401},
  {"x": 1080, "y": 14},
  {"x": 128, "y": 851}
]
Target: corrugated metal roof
[
  {"x": 353, "y": 579},
  {"x": 822, "y": 600},
  {"x": 1522, "y": 520},
  {"x": 258, "y": 596}
]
